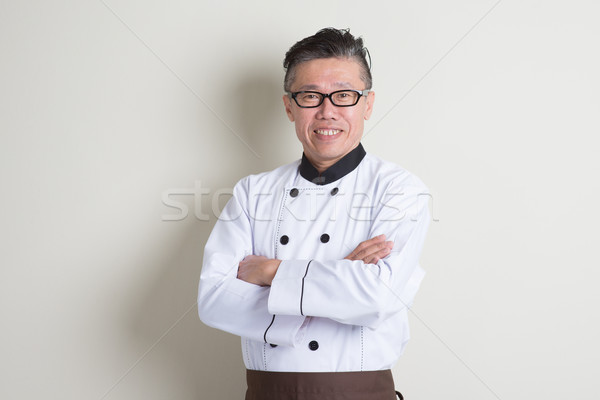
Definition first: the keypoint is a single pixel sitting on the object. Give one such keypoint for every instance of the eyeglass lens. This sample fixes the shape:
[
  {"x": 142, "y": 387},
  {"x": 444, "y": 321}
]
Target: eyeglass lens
[{"x": 339, "y": 98}]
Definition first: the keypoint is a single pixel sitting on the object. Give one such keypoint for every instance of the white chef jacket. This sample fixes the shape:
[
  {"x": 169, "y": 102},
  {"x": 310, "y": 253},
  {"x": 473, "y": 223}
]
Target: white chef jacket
[{"x": 322, "y": 313}]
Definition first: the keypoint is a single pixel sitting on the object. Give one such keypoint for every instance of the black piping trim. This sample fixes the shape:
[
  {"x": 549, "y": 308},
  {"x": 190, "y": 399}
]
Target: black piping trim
[
  {"x": 302, "y": 293},
  {"x": 268, "y": 327}
]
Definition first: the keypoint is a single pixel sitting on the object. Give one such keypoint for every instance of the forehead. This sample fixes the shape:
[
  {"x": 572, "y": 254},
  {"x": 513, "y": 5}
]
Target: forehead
[{"x": 326, "y": 74}]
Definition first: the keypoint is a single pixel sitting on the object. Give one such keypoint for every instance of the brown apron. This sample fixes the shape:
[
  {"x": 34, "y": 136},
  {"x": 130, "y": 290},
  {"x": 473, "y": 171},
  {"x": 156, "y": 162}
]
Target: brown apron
[{"x": 366, "y": 385}]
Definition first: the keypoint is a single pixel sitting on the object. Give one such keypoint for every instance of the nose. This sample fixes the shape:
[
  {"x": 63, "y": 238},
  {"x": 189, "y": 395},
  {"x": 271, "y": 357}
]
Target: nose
[{"x": 327, "y": 110}]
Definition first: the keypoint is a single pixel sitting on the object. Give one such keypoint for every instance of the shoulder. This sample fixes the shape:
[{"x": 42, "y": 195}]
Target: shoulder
[
  {"x": 400, "y": 192},
  {"x": 267, "y": 181},
  {"x": 387, "y": 174}
]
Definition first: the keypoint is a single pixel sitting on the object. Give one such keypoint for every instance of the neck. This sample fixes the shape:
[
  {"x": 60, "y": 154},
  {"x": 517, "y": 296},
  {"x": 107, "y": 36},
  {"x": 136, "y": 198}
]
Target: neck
[
  {"x": 322, "y": 173},
  {"x": 322, "y": 166}
]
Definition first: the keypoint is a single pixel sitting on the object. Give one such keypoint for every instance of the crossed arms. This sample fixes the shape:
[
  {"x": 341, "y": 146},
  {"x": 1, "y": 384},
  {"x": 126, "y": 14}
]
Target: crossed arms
[
  {"x": 375, "y": 280},
  {"x": 261, "y": 270}
]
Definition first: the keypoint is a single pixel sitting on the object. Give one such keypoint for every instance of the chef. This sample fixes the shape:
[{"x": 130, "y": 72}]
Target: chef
[{"x": 315, "y": 263}]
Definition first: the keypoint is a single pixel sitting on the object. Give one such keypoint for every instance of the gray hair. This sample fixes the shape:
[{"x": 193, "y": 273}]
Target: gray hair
[{"x": 327, "y": 43}]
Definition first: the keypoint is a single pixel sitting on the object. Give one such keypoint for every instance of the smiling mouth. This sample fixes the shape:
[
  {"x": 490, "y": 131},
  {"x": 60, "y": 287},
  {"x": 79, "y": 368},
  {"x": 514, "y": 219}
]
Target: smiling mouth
[{"x": 327, "y": 132}]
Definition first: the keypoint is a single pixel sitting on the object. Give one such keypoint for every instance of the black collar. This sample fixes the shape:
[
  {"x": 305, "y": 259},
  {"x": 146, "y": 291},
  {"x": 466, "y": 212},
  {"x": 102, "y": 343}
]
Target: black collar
[{"x": 343, "y": 167}]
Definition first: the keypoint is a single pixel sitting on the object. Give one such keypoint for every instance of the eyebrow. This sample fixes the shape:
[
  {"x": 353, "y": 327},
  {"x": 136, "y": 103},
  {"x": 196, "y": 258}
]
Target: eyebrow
[{"x": 344, "y": 85}]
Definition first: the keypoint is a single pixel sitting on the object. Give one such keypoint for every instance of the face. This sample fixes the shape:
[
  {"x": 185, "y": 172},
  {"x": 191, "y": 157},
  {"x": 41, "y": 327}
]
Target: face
[{"x": 327, "y": 132}]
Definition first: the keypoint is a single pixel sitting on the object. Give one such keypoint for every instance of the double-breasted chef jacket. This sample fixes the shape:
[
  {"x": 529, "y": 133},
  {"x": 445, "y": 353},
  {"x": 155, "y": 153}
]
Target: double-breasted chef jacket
[{"x": 322, "y": 313}]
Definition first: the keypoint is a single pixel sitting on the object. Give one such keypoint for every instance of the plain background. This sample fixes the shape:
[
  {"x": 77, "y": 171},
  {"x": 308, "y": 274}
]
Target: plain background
[{"x": 106, "y": 108}]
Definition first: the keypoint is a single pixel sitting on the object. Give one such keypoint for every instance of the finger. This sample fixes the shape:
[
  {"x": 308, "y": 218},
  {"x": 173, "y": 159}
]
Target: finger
[
  {"x": 372, "y": 241},
  {"x": 375, "y": 256},
  {"x": 390, "y": 245},
  {"x": 368, "y": 243},
  {"x": 366, "y": 247},
  {"x": 373, "y": 249}
]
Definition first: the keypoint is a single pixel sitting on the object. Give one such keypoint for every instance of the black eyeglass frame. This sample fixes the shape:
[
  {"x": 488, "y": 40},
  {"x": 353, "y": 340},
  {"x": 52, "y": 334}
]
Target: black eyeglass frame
[{"x": 325, "y": 95}]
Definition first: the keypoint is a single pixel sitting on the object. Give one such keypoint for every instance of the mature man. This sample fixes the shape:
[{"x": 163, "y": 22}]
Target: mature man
[{"x": 314, "y": 263}]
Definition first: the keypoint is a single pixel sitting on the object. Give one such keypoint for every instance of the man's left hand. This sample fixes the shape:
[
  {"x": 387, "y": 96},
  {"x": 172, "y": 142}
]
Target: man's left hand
[{"x": 258, "y": 270}]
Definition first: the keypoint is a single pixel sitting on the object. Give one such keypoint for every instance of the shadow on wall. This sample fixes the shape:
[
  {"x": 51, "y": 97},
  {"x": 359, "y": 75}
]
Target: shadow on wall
[
  {"x": 263, "y": 122},
  {"x": 193, "y": 360}
]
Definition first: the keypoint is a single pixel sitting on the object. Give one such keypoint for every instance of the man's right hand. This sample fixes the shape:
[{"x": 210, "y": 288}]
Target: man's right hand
[{"x": 372, "y": 250}]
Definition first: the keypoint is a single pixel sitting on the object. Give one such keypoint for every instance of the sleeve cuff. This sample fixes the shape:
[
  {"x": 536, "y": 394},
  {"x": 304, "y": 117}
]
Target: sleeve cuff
[
  {"x": 286, "y": 330},
  {"x": 285, "y": 296}
]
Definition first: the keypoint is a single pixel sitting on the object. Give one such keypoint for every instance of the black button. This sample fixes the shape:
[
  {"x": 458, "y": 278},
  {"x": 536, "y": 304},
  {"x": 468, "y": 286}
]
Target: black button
[
  {"x": 273, "y": 345},
  {"x": 294, "y": 192},
  {"x": 334, "y": 191},
  {"x": 324, "y": 238},
  {"x": 314, "y": 345},
  {"x": 284, "y": 240}
]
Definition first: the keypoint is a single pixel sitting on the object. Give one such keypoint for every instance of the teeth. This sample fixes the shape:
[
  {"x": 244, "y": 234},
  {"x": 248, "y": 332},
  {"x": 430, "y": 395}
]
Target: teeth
[{"x": 327, "y": 132}]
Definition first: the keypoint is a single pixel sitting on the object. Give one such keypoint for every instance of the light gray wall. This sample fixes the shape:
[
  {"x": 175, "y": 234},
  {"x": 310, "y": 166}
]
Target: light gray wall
[{"x": 106, "y": 107}]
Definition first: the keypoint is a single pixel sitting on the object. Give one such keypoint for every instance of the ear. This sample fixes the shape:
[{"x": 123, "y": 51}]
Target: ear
[
  {"x": 370, "y": 101},
  {"x": 287, "y": 103}
]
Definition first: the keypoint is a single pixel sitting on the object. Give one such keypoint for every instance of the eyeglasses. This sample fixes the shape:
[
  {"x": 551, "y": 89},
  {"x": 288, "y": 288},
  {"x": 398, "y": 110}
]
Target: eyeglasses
[{"x": 339, "y": 98}]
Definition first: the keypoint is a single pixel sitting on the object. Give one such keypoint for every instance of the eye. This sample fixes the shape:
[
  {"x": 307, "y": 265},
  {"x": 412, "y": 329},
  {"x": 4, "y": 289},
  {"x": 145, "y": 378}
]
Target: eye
[
  {"x": 309, "y": 96},
  {"x": 345, "y": 97}
]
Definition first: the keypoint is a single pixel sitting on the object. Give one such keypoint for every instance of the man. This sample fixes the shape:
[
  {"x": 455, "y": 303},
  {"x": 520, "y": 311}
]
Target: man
[{"x": 314, "y": 264}]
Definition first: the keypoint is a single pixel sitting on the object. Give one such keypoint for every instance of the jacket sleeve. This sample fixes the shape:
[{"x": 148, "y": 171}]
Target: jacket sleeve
[
  {"x": 353, "y": 292},
  {"x": 228, "y": 303}
]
